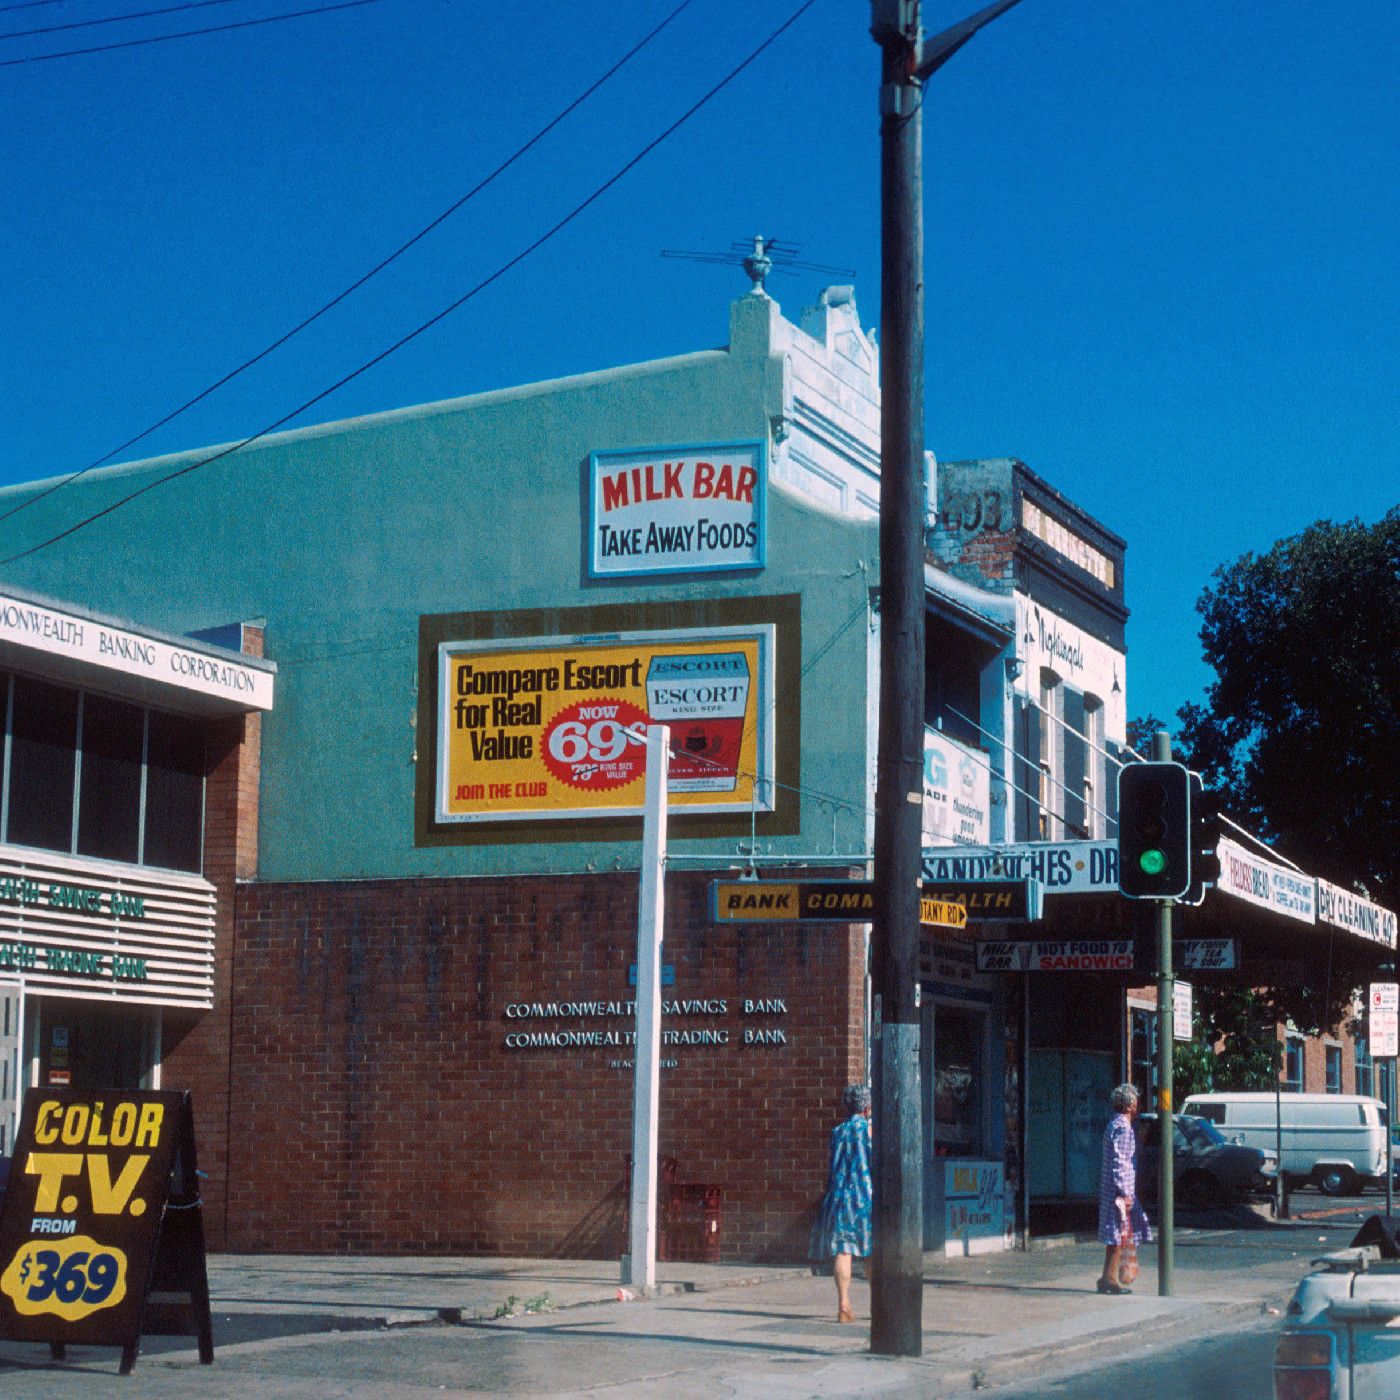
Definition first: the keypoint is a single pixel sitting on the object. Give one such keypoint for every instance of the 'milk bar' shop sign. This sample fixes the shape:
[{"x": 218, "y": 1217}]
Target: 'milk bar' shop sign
[
  {"x": 103, "y": 1206},
  {"x": 671, "y": 510}
]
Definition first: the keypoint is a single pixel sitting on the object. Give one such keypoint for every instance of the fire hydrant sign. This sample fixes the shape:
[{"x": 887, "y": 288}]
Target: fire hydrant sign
[
  {"x": 84, "y": 1211},
  {"x": 1383, "y": 1003},
  {"x": 670, "y": 510}
]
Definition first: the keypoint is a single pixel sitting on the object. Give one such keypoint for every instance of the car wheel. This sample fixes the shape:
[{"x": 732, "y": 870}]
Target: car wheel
[
  {"x": 1198, "y": 1189},
  {"x": 1336, "y": 1181}
]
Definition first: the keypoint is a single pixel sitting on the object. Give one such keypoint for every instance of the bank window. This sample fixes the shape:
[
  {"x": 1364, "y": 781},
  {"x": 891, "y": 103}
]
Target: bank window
[
  {"x": 1365, "y": 1080},
  {"x": 1334, "y": 1068},
  {"x": 93, "y": 776}
]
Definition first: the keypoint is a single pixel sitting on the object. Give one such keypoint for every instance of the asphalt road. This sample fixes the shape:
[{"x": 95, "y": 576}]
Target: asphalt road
[{"x": 1237, "y": 1366}]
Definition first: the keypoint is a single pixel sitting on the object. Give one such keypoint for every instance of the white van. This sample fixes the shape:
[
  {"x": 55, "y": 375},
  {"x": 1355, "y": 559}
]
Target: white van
[{"x": 1337, "y": 1141}]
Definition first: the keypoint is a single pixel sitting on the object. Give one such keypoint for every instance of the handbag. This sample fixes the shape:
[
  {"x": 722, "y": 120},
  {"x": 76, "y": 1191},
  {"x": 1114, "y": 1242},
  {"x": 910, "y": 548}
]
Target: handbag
[{"x": 1127, "y": 1250}]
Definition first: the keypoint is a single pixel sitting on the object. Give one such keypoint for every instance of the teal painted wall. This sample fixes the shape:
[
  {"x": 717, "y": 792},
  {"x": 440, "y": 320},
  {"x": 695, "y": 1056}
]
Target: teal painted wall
[{"x": 340, "y": 536}]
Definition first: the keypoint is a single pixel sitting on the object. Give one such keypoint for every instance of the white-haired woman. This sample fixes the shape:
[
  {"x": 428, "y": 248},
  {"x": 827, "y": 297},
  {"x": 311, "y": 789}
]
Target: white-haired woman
[
  {"x": 1118, "y": 1187},
  {"x": 842, "y": 1226}
]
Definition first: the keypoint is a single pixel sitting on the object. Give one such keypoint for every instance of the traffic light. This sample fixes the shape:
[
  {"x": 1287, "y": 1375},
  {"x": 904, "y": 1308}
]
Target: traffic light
[
  {"x": 1206, "y": 831},
  {"x": 1154, "y": 830}
]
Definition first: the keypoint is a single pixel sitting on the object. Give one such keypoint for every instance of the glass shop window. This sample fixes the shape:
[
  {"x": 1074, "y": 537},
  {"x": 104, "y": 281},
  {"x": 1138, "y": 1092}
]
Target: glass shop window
[
  {"x": 957, "y": 1075},
  {"x": 43, "y": 748},
  {"x": 174, "y": 793},
  {"x": 136, "y": 775},
  {"x": 109, "y": 790}
]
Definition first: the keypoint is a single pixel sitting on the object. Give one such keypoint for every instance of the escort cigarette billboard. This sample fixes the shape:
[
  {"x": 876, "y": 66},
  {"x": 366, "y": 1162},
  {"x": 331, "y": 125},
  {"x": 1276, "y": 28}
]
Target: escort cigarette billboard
[{"x": 536, "y": 728}]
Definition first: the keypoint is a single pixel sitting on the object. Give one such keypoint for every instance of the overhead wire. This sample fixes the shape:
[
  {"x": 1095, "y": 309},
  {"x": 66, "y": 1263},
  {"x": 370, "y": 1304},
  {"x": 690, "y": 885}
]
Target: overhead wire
[
  {"x": 441, "y": 315},
  {"x": 116, "y": 19},
  {"x": 187, "y": 33},
  {"x": 360, "y": 282}
]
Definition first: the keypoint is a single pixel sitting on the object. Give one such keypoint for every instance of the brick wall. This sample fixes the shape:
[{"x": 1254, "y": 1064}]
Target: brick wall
[
  {"x": 195, "y": 1045},
  {"x": 377, "y": 1107}
]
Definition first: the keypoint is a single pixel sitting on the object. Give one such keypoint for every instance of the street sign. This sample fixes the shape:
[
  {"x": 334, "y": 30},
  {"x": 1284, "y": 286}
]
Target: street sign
[
  {"x": 816, "y": 901},
  {"x": 1181, "y": 1011},
  {"x": 783, "y": 901},
  {"x": 1383, "y": 1003},
  {"x": 942, "y": 914},
  {"x": 943, "y": 905},
  {"x": 1017, "y": 901}
]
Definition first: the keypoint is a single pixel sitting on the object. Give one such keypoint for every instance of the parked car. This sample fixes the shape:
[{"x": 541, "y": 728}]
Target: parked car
[
  {"x": 1341, "y": 1334},
  {"x": 1336, "y": 1141},
  {"x": 1208, "y": 1167}
]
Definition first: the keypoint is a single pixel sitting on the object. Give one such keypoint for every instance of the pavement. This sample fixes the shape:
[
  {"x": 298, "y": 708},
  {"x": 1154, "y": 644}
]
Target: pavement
[{"x": 288, "y": 1327}]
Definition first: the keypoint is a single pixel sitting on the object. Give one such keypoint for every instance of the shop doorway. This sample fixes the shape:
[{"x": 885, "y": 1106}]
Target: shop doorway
[{"x": 87, "y": 1046}]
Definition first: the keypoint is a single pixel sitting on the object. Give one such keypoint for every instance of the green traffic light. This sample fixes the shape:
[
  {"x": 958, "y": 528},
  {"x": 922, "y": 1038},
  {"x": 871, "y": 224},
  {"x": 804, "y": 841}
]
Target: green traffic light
[{"x": 1152, "y": 862}]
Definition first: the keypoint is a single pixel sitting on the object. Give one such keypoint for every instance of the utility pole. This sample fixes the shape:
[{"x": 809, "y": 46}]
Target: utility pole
[
  {"x": 896, "y": 1327},
  {"x": 1166, "y": 1008}
]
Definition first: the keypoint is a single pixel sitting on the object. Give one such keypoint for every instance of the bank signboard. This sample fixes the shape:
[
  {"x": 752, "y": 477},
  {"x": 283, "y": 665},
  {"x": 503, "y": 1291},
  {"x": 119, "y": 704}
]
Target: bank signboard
[
  {"x": 97, "y": 930},
  {"x": 243, "y": 681},
  {"x": 670, "y": 510},
  {"x": 537, "y": 728}
]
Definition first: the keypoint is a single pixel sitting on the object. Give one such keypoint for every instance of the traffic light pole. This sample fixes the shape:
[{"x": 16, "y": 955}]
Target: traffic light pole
[{"x": 1166, "y": 999}]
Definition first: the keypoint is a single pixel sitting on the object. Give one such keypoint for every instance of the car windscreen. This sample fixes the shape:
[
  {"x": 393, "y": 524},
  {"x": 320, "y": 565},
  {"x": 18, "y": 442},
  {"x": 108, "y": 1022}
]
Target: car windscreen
[{"x": 1198, "y": 1132}]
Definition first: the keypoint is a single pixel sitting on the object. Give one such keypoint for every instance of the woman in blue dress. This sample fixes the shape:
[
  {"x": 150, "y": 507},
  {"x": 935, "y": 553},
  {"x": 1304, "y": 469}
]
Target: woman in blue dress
[{"x": 842, "y": 1227}]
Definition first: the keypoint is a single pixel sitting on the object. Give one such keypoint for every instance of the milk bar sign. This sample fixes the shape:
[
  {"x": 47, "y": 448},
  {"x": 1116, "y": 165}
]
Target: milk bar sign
[{"x": 670, "y": 510}]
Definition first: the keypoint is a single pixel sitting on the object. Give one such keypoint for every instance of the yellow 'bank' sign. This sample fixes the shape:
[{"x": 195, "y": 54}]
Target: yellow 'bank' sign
[{"x": 547, "y": 727}]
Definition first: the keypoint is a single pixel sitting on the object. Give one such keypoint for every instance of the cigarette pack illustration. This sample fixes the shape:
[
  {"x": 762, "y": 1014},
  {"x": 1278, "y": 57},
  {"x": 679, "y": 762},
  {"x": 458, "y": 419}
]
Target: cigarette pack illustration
[{"x": 703, "y": 697}]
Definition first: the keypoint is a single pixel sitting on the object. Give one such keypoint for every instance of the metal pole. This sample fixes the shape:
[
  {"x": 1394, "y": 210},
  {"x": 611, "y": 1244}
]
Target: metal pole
[
  {"x": 896, "y": 1295},
  {"x": 646, "y": 1059},
  {"x": 1390, "y": 1140},
  {"x": 1166, "y": 995}
]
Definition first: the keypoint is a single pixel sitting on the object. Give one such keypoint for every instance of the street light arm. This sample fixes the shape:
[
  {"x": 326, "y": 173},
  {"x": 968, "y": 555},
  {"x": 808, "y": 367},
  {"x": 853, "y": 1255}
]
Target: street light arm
[{"x": 938, "y": 50}]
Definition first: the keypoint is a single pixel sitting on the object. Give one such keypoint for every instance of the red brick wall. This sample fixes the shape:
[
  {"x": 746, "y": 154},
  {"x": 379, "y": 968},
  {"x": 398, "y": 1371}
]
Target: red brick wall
[
  {"x": 195, "y": 1045},
  {"x": 376, "y": 1107}
]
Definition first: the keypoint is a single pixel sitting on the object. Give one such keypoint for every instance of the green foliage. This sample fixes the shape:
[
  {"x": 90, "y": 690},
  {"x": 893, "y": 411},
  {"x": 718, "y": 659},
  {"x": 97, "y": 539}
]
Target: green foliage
[
  {"x": 1241, "y": 1025},
  {"x": 1301, "y": 727}
]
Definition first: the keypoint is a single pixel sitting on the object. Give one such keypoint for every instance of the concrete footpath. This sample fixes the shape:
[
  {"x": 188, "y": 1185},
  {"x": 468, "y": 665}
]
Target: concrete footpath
[{"x": 389, "y": 1328}]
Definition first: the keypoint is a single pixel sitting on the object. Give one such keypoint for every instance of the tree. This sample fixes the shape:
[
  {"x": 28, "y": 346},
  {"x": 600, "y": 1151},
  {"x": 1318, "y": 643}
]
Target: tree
[{"x": 1301, "y": 727}]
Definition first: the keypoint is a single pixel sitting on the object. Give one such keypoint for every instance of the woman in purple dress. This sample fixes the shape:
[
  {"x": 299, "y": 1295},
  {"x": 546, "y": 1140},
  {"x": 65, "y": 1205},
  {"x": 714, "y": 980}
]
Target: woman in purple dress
[{"x": 1118, "y": 1187}]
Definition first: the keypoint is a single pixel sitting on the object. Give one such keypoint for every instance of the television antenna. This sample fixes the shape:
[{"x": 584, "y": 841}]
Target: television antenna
[{"x": 761, "y": 258}]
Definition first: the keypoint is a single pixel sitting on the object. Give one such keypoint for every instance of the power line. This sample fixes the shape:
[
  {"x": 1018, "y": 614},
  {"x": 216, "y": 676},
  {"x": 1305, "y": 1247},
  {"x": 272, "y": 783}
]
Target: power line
[
  {"x": 356, "y": 285},
  {"x": 115, "y": 19},
  {"x": 28, "y": 5},
  {"x": 441, "y": 315},
  {"x": 188, "y": 33}
]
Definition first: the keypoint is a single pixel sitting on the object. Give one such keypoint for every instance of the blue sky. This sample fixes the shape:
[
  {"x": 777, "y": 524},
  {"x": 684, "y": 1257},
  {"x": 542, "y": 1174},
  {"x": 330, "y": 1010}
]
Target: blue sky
[{"x": 1160, "y": 257}]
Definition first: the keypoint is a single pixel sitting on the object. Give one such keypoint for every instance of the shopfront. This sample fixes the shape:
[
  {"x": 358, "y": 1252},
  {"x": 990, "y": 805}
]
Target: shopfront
[{"x": 107, "y": 912}]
